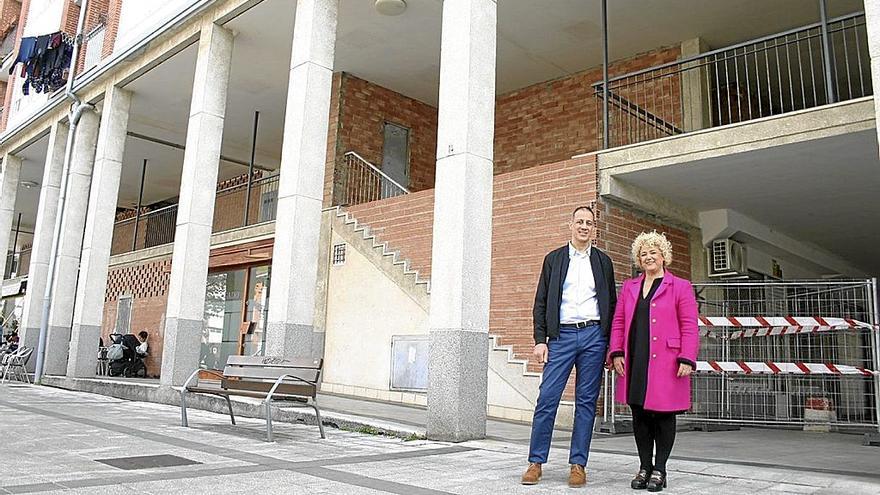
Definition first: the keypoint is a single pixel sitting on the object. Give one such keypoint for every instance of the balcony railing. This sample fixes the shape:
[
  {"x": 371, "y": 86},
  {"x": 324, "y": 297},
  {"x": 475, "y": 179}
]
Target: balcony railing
[
  {"x": 234, "y": 207},
  {"x": 768, "y": 76},
  {"x": 359, "y": 181}
]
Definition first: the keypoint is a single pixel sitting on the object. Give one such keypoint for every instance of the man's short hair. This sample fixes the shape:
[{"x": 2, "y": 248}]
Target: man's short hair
[
  {"x": 142, "y": 334},
  {"x": 583, "y": 207}
]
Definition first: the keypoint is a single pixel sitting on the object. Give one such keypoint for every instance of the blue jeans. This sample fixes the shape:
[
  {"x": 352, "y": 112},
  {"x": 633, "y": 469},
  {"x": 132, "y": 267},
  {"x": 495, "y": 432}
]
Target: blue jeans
[{"x": 583, "y": 349}]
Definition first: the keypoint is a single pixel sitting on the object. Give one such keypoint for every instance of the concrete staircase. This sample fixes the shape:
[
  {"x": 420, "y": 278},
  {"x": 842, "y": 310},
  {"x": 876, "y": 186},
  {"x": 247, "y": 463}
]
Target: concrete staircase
[{"x": 513, "y": 389}]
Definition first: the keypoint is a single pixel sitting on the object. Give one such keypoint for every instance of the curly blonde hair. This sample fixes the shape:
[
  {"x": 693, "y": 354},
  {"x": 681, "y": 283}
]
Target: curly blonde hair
[{"x": 652, "y": 239}]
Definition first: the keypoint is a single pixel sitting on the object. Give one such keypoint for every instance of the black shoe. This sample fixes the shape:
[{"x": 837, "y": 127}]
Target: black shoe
[
  {"x": 657, "y": 482},
  {"x": 640, "y": 482}
]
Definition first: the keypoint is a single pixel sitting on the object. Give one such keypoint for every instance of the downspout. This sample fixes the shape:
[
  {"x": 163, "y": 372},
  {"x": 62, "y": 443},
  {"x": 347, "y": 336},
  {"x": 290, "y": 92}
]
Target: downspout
[{"x": 77, "y": 107}]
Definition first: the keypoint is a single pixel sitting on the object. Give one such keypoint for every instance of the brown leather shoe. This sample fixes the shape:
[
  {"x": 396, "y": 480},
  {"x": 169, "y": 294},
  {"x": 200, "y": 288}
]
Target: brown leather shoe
[
  {"x": 532, "y": 475},
  {"x": 578, "y": 476}
]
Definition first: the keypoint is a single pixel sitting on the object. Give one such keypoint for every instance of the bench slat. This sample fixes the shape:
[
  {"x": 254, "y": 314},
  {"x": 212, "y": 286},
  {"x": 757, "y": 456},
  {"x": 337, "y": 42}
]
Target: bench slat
[
  {"x": 270, "y": 373},
  {"x": 262, "y": 388},
  {"x": 274, "y": 362}
]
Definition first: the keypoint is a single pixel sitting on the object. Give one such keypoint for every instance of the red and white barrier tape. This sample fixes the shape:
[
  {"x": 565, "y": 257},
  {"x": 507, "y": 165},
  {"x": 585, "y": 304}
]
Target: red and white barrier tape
[
  {"x": 766, "y": 326},
  {"x": 772, "y": 368}
]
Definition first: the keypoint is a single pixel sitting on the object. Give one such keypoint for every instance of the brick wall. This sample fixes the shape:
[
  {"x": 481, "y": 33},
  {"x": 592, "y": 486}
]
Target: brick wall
[
  {"x": 333, "y": 145},
  {"x": 97, "y": 14},
  {"x": 114, "y": 12},
  {"x": 619, "y": 226},
  {"x": 10, "y": 11},
  {"x": 555, "y": 120},
  {"x": 147, "y": 283},
  {"x": 547, "y": 122},
  {"x": 364, "y": 109},
  {"x": 406, "y": 223},
  {"x": 531, "y": 210}
]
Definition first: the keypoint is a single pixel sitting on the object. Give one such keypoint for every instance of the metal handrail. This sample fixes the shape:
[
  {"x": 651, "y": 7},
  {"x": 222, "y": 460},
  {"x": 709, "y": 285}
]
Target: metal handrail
[
  {"x": 717, "y": 51},
  {"x": 374, "y": 169}
]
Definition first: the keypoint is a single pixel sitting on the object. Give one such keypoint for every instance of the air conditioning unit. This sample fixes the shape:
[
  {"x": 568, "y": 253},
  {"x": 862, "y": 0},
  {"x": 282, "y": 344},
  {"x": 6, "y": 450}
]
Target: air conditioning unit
[{"x": 726, "y": 258}]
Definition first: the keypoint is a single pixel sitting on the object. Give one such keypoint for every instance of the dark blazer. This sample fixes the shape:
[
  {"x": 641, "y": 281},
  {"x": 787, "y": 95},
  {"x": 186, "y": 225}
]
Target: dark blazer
[{"x": 548, "y": 297}]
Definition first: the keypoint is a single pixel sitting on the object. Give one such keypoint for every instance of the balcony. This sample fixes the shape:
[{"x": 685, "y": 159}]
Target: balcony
[
  {"x": 773, "y": 75},
  {"x": 236, "y": 206}
]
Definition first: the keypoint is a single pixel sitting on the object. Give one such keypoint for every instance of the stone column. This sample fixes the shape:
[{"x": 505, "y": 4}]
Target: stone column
[
  {"x": 79, "y": 178},
  {"x": 290, "y": 330},
  {"x": 462, "y": 246},
  {"x": 89, "y": 309},
  {"x": 8, "y": 192},
  {"x": 185, "y": 311},
  {"x": 694, "y": 91},
  {"x": 44, "y": 230},
  {"x": 872, "y": 26}
]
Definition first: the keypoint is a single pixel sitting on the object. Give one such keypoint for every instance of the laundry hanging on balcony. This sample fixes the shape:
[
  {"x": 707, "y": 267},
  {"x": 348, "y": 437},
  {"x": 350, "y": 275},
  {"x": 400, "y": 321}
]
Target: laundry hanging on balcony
[{"x": 45, "y": 61}]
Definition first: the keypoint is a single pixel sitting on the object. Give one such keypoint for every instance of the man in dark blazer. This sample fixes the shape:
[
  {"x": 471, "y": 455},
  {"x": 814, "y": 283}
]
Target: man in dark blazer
[{"x": 574, "y": 305}]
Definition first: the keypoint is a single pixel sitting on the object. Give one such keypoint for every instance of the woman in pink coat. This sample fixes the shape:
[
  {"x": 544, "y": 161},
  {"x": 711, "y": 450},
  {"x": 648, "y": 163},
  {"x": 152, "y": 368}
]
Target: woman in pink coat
[{"x": 653, "y": 349}]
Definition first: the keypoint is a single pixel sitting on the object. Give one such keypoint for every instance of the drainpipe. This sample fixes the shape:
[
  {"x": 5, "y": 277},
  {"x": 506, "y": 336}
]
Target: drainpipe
[{"x": 77, "y": 108}]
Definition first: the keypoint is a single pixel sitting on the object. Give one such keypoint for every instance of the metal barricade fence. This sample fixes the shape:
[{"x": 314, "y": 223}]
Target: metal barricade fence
[{"x": 782, "y": 353}]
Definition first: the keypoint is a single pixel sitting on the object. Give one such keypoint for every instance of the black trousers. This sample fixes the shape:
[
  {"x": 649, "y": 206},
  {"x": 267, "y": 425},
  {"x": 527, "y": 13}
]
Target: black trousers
[{"x": 652, "y": 429}]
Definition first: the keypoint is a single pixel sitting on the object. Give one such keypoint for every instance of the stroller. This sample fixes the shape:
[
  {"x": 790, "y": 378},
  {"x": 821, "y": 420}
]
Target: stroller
[{"x": 123, "y": 356}]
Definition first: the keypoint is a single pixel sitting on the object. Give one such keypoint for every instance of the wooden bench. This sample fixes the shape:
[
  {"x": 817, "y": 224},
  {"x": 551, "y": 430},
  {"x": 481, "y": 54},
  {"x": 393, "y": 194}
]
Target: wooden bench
[{"x": 273, "y": 379}]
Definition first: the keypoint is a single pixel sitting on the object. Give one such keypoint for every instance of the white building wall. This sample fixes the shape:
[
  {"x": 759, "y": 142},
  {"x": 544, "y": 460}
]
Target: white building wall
[
  {"x": 364, "y": 310},
  {"x": 140, "y": 17}
]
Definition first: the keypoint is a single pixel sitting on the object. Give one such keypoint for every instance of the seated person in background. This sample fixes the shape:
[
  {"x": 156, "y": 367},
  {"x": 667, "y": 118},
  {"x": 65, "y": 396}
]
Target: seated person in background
[{"x": 142, "y": 348}]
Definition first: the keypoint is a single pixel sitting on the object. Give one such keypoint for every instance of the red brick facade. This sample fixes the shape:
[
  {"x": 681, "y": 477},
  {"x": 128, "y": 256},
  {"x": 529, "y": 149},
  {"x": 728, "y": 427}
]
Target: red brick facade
[
  {"x": 543, "y": 123},
  {"x": 619, "y": 226},
  {"x": 364, "y": 108},
  {"x": 10, "y": 11},
  {"x": 531, "y": 210},
  {"x": 555, "y": 120}
]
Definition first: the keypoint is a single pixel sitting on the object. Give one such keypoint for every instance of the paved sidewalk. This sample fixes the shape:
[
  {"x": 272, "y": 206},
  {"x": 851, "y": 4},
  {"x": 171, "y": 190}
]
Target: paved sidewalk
[{"x": 71, "y": 442}]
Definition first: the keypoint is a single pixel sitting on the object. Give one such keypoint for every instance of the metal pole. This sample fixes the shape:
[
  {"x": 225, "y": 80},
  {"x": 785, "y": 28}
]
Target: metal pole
[
  {"x": 15, "y": 243},
  {"x": 605, "y": 74},
  {"x": 826, "y": 50},
  {"x": 75, "y": 113},
  {"x": 137, "y": 212},
  {"x": 875, "y": 316},
  {"x": 250, "y": 178}
]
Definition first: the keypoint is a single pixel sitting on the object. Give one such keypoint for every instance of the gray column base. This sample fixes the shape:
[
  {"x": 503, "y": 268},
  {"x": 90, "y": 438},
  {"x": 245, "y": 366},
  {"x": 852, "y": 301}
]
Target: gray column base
[
  {"x": 83, "y": 359},
  {"x": 180, "y": 355},
  {"x": 457, "y": 385},
  {"x": 31, "y": 338},
  {"x": 291, "y": 340},
  {"x": 57, "y": 349}
]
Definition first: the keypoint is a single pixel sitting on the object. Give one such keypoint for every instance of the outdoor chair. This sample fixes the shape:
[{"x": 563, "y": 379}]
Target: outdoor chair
[{"x": 16, "y": 363}]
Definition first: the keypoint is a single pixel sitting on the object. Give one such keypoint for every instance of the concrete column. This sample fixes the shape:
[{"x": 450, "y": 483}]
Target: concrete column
[
  {"x": 185, "y": 312},
  {"x": 89, "y": 308},
  {"x": 8, "y": 192},
  {"x": 694, "y": 89},
  {"x": 44, "y": 229},
  {"x": 290, "y": 330},
  {"x": 462, "y": 247},
  {"x": 872, "y": 25},
  {"x": 76, "y": 203}
]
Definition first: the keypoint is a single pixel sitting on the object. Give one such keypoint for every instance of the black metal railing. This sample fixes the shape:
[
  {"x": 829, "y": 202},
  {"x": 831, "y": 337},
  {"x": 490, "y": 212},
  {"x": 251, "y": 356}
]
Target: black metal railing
[
  {"x": 768, "y": 76},
  {"x": 234, "y": 207}
]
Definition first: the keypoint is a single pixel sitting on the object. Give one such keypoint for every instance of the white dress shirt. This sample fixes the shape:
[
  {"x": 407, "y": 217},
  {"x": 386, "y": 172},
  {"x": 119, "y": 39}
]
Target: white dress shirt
[{"x": 579, "y": 299}]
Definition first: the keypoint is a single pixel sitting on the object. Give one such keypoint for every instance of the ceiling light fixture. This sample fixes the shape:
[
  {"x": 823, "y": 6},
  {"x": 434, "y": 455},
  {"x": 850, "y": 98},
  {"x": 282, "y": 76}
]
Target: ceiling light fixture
[
  {"x": 29, "y": 184},
  {"x": 390, "y": 7}
]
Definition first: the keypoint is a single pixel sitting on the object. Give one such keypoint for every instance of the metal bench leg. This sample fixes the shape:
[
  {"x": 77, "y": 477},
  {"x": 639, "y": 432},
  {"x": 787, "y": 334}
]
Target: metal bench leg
[
  {"x": 183, "y": 421},
  {"x": 269, "y": 420},
  {"x": 229, "y": 403},
  {"x": 318, "y": 419}
]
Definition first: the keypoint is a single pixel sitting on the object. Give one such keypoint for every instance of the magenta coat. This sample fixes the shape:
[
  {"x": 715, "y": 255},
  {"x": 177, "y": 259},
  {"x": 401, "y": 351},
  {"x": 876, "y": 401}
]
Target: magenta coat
[{"x": 675, "y": 338}]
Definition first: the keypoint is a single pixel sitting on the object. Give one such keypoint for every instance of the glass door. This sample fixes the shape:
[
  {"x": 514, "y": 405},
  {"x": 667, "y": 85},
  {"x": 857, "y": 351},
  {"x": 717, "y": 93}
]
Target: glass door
[{"x": 256, "y": 310}]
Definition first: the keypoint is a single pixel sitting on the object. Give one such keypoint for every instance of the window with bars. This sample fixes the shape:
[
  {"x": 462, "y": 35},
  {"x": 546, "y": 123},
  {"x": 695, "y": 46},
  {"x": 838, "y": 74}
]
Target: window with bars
[{"x": 338, "y": 254}]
